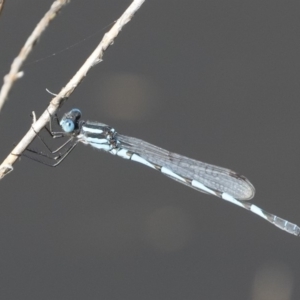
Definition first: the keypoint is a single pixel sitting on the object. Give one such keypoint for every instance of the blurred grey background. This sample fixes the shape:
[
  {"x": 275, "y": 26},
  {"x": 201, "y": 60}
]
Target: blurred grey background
[{"x": 217, "y": 81}]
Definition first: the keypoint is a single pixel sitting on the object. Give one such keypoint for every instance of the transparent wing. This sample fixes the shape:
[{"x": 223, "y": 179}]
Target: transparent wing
[{"x": 214, "y": 177}]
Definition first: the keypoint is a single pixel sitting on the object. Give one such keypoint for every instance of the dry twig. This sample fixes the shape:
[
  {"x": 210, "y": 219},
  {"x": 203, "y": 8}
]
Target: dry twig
[
  {"x": 1, "y": 5},
  {"x": 14, "y": 72},
  {"x": 93, "y": 59}
]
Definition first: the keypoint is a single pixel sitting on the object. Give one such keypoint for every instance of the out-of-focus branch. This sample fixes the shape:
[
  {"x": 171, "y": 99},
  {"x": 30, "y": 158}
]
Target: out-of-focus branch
[
  {"x": 93, "y": 59},
  {"x": 1, "y": 5},
  {"x": 14, "y": 72}
]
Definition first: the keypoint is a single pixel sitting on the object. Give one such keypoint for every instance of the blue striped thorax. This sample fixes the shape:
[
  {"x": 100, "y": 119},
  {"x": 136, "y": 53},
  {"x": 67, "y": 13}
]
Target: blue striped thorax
[{"x": 98, "y": 135}]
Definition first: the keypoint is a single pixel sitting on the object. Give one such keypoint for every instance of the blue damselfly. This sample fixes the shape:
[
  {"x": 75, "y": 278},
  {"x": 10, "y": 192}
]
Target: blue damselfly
[{"x": 223, "y": 183}]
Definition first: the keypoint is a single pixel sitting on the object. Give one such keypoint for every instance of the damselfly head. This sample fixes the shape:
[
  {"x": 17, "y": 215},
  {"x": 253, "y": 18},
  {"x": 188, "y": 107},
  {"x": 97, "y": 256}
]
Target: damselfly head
[{"x": 70, "y": 120}]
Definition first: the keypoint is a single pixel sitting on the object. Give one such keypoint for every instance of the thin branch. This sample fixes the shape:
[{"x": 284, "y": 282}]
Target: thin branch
[
  {"x": 93, "y": 59},
  {"x": 1, "y": 5},
  {"x": 14, "y": 72}
]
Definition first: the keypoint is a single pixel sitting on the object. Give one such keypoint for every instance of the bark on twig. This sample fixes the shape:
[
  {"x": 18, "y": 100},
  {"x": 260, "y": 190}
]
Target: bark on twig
[
  {"x": 14, "y": 72},
  {"x": 92, "y": 60}
]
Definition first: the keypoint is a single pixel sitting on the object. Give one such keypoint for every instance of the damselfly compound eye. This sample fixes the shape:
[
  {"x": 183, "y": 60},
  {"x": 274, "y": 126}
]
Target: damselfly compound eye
[
  {"x": 76, "y": 112},
  {"x": 67, "y": 125}
]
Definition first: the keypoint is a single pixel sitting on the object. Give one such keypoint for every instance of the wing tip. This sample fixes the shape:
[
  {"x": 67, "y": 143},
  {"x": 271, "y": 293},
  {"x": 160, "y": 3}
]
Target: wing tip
[{"x": 249, "y": 187}]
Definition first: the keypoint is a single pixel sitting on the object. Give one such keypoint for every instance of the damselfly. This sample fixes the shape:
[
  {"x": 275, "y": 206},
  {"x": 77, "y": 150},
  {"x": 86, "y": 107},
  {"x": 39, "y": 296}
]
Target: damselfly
[{"x": 223, "y": 183}]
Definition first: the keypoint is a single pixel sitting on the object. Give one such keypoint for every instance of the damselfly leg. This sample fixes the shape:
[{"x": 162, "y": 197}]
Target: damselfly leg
[
  {"x": 53, "y": 160},
  {"x": 62, "y": 151}
]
